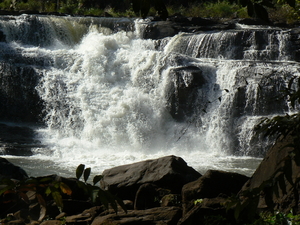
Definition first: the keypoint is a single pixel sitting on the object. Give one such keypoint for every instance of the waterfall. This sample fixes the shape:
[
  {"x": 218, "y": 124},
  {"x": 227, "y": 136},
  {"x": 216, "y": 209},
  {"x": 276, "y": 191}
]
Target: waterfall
[{"x": 108, "y": 97}]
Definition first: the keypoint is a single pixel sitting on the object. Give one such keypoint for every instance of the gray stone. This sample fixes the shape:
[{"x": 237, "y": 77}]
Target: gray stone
[
  {"x": 168, "y": 172},
  {"x": 209, "y": 210},
  {"x": 277, "y": 179},
  {"x": 183, "y": 91},
  {"x": 9, "y": 170},
  {"x": 17, "y": 140},
  {"x": 212, "y": 184}
]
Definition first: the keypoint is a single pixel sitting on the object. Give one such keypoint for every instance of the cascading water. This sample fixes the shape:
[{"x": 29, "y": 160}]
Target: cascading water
[{"x": 111, "y": 97}]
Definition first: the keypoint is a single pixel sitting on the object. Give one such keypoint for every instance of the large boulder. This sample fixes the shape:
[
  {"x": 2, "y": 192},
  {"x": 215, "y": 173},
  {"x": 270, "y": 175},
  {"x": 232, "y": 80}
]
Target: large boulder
[
  {"x": 9, "y": 170},
  {"x": 168, "y": 172},
  {"x": 183, "y": 91},
  {"x": 276, "y": 182},
  {"x": 212, "y": 184}
]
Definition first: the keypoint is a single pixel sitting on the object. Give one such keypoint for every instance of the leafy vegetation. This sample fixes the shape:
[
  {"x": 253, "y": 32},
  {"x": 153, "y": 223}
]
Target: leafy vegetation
[
  {"x": 283, "y": 11},
  {"x": 46, "y": 190},
  {"x": 279, "y": 218},
  {"x": 95, "y": 193},
  {"x": 33, "y": 189}
]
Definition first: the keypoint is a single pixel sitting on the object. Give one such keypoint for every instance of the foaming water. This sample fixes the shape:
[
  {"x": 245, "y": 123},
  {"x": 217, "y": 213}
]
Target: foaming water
[
  {"x": 107, "y": 93},
  {"x": 106, "y": 106}
]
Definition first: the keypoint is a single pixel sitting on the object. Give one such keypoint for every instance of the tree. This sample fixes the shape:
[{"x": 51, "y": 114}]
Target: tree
[
  {"x": 142, "y": 8},
  {"x": 256, "y": 8}
]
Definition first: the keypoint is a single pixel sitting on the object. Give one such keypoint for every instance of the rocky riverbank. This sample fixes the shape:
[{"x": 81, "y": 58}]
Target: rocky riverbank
[{"x": 158, "y": 191}]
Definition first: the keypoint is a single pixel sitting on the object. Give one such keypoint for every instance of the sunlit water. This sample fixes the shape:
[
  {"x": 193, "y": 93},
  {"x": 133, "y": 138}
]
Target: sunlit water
[{"x": 106, "y": 97}]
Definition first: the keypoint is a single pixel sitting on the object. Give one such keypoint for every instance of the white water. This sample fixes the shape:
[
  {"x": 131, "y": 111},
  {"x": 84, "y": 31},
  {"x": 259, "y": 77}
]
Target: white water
[{"x": 106, "y": 93}]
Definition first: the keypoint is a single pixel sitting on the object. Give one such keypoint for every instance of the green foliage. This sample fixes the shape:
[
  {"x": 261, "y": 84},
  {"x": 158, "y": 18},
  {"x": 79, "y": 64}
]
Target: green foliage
[
  {"x": 258, "y": 8},
  {"x": 279, "y": 218},
  {"x": 93, "y": 11},
  {"x": 222, "y": 9},
  {"x": 198, "y": 201},
  {"x": 6, "y": 4},
  {"x": 96, "y": 194},
  {"x": 276, "y": 10},
  {"x": 39, "y": 190},
  {"x": 284, "y": 14}
]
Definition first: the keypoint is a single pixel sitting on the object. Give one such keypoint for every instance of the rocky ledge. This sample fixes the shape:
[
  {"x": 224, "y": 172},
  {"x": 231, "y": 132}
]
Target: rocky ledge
[
  {"x": 159, "y": 191},
  {"x": 17, "y": 140}
]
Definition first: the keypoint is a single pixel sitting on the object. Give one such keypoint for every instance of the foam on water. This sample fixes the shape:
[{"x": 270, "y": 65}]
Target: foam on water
[{"x": 106, "y": 92}]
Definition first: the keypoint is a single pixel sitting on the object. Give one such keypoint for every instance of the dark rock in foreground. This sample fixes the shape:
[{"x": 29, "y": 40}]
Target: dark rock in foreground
[
  {"x": 277, "y": 179},
  {"x": 169, "y": 172},
  {"x": 166, "y": 191},
  {"x": 212, "y": 184},
  {"x": 10, "y": 171}
]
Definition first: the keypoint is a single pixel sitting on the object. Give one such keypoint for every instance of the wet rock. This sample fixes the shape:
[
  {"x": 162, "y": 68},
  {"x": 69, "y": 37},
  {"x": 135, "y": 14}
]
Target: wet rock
[
  {"x": 202, "y": 21},
  {"x": 171, "y": 200},
  {"x": 252, "y": 21},
  {"x": 19, "y": 100},
  {"x": 277, "y": 178},
  {"x": 212, "y": 184},
  {"x": 17, "y": 140},
  {"x": 9, "y": 170},
  {"x": 149, "y": 196},
  {"x": 168, "y": 172},
  {"x": 210, "y": 211},
  {"x": 146, "y": 196},
  {"x": 183, "y": 91},
  {"x": 2, "y": 36},
  {"x": 160, "y": 29}
]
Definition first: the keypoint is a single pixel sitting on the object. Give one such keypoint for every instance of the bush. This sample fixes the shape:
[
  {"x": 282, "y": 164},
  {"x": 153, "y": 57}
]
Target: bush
[{"x": 16, "y": 195}]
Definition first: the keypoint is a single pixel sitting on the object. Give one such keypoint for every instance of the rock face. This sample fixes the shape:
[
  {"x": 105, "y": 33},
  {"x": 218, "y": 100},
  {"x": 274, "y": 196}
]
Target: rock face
[
  {"x": 169, "y": 172},
  {"x": 19, "y": 100},
  {"x": 9, "y": 170},
  {"x": 211, "y": 185},
  {"x": 209, "y": 209},
  {"x": 183, "y": 91},
  {"x": 277, "y": 179},
  {"x": 17, "y": 140}
]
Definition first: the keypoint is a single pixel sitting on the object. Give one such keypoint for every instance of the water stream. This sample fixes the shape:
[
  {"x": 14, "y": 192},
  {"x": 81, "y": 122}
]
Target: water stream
[{"x": 111, "y": 97}]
